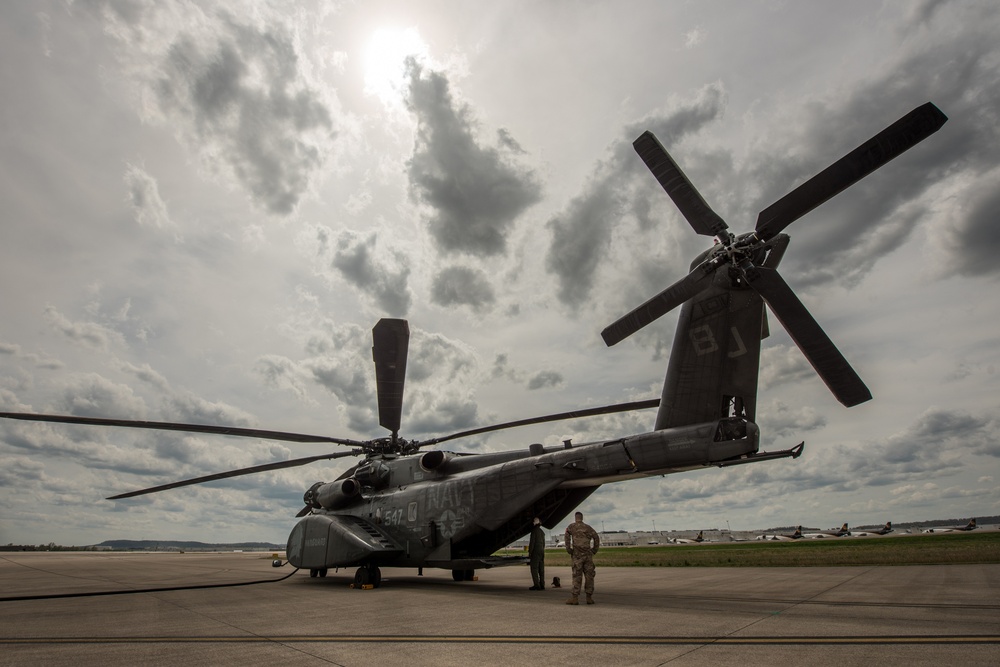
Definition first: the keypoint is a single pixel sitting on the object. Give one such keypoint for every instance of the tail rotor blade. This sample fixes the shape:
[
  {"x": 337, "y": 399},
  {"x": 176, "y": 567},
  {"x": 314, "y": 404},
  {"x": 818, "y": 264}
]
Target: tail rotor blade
[
  {"x": 824, "y": 356},
  {"x": 687, "y": 287},
  {"x": 689, "y": 201},
  {"x": 891, "y": 142},
  {"x": 391, "y": 341}
]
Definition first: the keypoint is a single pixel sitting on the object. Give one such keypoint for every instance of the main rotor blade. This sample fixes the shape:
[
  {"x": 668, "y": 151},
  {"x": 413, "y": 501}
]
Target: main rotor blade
[
  {"x": 817, "y": 347},
  {"x": 188, "y": 428},
  {"x": 690, "y": 202},
  {"x": 575, "y": 414},
  {"x": 687, "y": 287},
  {"x": 891, "y": 142},
  {"x": 391, "y": 340},
  {"x": 292, "y": 463}
]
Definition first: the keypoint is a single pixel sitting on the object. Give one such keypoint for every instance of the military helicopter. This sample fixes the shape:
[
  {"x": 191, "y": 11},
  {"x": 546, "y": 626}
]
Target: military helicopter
[{"x": 403, "y": 507}]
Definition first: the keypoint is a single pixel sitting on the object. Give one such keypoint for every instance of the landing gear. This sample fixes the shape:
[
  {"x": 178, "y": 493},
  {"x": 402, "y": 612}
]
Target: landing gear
[
  {"x": 368, "y": 575},
  {"x": 463, "y": 575},
  {"x": 318, "y": 572}
]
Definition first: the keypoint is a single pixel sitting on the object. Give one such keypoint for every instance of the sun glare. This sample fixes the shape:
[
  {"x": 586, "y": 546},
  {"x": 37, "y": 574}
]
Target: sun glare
[{"x": 384, "y": 61}]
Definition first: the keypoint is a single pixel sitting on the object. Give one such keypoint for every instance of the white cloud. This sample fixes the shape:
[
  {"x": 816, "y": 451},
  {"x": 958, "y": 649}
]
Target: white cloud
[{"x": 144, "y": 195}]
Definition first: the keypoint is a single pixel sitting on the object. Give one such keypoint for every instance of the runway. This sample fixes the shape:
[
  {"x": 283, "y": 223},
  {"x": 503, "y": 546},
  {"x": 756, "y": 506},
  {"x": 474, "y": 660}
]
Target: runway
[{"x": 913, "y": 615}]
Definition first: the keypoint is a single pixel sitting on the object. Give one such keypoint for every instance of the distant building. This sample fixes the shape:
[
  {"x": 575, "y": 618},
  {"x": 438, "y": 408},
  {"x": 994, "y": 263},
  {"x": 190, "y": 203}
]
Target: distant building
[{"x": 617, "y": 539}]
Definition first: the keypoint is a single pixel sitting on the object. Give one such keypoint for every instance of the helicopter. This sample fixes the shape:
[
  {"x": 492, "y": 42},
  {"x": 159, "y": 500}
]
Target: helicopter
[{"x": 404, "y": 504}]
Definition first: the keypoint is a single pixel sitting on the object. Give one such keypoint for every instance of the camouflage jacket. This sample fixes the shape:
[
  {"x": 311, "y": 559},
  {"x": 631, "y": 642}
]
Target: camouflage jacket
[{"x": 579, "y": 536}]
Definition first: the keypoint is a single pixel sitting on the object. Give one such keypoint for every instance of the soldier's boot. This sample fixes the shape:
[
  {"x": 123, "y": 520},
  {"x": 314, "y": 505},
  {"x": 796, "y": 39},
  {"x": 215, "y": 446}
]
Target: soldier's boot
[
  {"x": 573, "y": 600},
  {"x": 590, "y": 600}
]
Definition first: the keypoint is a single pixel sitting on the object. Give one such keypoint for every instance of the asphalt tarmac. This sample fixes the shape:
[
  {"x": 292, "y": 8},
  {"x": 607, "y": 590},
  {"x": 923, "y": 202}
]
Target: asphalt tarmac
[{"x": 900, "y": 615}]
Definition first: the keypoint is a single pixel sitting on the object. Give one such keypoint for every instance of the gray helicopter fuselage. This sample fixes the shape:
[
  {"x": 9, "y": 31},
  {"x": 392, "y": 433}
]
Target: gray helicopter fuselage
[{"x": 443, "y": 510}]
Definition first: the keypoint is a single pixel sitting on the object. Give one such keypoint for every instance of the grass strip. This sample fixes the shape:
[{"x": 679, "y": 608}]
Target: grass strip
[{"x": 948, "y": 549}]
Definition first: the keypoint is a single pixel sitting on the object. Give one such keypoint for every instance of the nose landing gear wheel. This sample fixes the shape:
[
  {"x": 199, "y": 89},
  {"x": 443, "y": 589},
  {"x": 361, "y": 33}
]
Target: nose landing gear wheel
[{"x": 368, "y": 575}]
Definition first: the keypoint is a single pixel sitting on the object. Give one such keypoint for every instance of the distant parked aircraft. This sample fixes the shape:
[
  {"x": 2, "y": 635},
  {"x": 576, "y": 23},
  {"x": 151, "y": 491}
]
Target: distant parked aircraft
[
  {"x": 828, "y": 533},
  {"x": 953, "y": 529},
  {"x": 689, "y": 540},
  {"x": 781, "y": 538},
  {"x": 880, "y": 531}
]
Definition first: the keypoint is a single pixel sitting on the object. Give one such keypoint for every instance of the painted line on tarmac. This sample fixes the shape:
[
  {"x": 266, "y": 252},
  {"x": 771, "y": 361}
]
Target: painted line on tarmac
[{"x": 518, "y": 639}]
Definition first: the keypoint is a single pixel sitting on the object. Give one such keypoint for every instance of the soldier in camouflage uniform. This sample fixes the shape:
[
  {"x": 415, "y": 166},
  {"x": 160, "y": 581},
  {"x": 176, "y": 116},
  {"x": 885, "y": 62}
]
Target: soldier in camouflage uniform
[{"x": 579, "y": 537}]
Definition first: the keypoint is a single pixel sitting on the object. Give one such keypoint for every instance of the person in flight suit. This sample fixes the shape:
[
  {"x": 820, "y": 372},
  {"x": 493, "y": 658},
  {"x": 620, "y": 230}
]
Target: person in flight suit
[
  {"x": 536, "y": 556},
  {"x": 582, "y": 542}
]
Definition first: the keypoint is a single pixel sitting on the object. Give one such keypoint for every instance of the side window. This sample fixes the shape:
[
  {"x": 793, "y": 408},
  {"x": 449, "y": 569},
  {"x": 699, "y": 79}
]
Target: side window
[{"x": 411, "y": 512}]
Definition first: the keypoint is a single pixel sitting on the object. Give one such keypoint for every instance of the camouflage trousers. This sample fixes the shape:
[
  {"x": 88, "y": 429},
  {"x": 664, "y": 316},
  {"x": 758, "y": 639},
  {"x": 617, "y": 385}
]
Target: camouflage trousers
[{"x": 583, "y": 564}]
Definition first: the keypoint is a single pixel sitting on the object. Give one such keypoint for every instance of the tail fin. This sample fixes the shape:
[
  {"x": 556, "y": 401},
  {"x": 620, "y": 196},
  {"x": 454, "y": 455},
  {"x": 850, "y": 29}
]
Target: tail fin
[{"x": 715, "y": 358}]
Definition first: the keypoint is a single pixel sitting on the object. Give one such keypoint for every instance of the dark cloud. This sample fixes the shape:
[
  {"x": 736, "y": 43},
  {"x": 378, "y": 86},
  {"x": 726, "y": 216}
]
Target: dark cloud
[
  {"x": 542, "y": 379},
  {"x": 475, "y": 192},
  {"x": 970, "y": 241},
  {"x": 435, "y": 356},
  {"x": 440, "y": 377},
  {"x": 501, "y": 367},
  {"x": 778, "y": 419},
  {"x": 92, "y": 395},
  {"x": 93, "y": 447},
  {"x": 545, "y": 379},
  {"x": 37, "y": 360},
  {"x": 146, "y": 373},
  {"x": 937, "y": 433},
  {"x": 236, "y": 93},
  {"x": 188, "y": 408},
  {"x": 463, "y": 286},
  {"x": 382, "y": 276},
  {"x": 15, "y": 471},
  {"x": 841, "y": 240},
  {"x": 280, "y": 372},
  {"x": 353, "y": 386},
  {"x": 450, "y": 414},
  {"x": 581, "y": 234},
  {"x": 782, "y": 364},
  {"x": 580, "y": 239},
  {"x": 936, "y": 444}
]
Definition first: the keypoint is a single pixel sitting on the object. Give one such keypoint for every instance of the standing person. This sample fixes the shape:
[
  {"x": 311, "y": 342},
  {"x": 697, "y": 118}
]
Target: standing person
[
  {"x": 536, "y": 555},
  {"x": 579, "y": 537}
]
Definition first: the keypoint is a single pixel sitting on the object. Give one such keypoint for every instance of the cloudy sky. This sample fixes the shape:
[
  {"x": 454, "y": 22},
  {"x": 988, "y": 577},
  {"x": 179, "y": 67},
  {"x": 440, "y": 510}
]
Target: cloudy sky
[{"x": 207, "y": 206}]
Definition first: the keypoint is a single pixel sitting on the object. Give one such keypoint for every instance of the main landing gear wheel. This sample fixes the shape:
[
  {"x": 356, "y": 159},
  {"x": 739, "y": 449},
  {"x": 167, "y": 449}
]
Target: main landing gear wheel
[
  {"x": 463, "y": 575},
  {"x": 368, "y": 575}
]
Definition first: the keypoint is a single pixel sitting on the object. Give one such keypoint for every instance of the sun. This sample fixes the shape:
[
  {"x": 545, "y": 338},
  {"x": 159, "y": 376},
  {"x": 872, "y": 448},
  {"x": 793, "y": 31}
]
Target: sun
[{"x": 384, "y": 62}]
